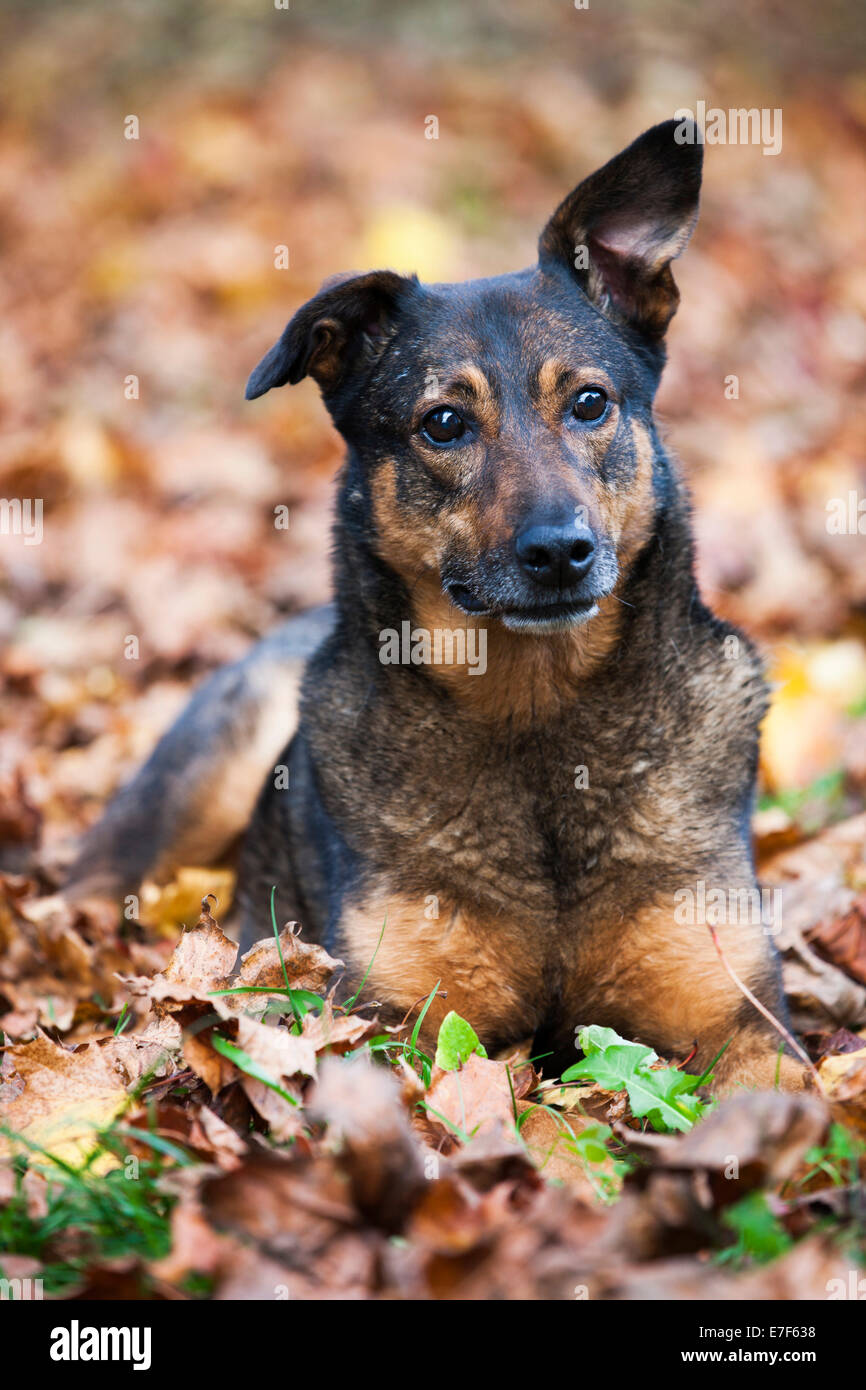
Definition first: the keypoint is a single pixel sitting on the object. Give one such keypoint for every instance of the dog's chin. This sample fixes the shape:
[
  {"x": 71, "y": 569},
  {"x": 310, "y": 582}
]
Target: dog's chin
[{"x": 554, "y": 617}]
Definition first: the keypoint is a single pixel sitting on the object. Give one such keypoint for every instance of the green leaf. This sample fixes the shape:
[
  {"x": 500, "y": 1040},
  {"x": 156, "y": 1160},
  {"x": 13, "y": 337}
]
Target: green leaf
[
  {"x": 664, "y": 1095},
  {"x": 760, "y": 1235},
  {"x": 664, "y": 1098},
  {"x": 456, "y": 1042}
]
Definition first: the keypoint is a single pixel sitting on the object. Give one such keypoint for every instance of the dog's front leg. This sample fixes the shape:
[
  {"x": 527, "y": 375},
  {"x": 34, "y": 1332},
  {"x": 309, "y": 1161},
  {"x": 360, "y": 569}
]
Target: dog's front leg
[{"x": 665, "y": 979}]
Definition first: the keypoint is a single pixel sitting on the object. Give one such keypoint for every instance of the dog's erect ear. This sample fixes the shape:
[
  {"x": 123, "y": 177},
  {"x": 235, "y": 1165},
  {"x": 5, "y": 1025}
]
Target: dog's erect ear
[
  {"x": 620, "y": 229},
  {"x": 348, "y": 321}
]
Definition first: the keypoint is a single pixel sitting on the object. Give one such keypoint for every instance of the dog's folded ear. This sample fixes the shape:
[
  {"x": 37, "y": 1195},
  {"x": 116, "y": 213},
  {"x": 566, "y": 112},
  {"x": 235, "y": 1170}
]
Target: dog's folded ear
[
  {"x": 620, "y": 229},
  {"x": 348, "y": 322}
]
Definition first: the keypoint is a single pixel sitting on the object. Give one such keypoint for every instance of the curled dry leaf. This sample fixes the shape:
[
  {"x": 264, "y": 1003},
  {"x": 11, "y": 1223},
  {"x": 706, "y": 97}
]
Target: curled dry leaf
[
  {"x": 280, "y": 1053},
  {"x": 308, "y": 965},
  {"x": 490, "y": 1159},
  {"x": 282, "y": 1056},
  {"x": 844, "y": 1078},
  {"x": 196, "y": 1127},
  {"x": 215, "y": 1070},
  {"x": 55, "y": 959},
  {"x": 675, "y": 1201},
  {"x": 451, "y": 1218},
  {"x": 328, "y": 1031},
  {"x": 842, "y": 939},
  {"x": 767, "y": 1132},
  {"x": 204, "y": 956},
  {"x": 820, "y": 882}
]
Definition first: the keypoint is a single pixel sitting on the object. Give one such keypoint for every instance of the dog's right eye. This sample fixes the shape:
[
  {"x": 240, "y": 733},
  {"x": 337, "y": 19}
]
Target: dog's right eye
[{"x": 443, "y": 425}]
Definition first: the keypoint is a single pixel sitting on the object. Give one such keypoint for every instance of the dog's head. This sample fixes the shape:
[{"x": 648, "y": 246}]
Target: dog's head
[{"x": 500, "y": 431}]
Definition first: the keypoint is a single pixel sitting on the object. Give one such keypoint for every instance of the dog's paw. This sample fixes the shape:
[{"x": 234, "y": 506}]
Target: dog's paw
[{"x": 762, "y": 1070}]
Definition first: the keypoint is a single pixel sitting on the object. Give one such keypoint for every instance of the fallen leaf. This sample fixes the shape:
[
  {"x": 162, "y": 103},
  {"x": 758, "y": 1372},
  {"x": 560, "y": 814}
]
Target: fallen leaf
[
  {"x": 842, "y": 939},
  {"x": 308, "y": 965},
  {"x": 203, "y": 957},
  {"x": 474, "y": 1100},
  {"x": 58, "y": 1100}
]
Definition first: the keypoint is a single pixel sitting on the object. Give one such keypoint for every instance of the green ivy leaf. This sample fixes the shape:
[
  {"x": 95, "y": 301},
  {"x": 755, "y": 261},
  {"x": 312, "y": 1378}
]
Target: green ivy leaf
[{"x": 664, "y": 1095}]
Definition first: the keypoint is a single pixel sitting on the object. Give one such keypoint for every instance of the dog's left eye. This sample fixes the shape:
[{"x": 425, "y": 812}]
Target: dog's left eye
[
  {"x": 443, "y": 425},
  {"x": 590, "y": 404}
]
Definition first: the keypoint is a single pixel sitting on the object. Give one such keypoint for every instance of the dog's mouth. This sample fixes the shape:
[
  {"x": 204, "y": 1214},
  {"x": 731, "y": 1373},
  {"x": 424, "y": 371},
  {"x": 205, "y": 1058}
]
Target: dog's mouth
[
  {"x": 463, "y": 598},
  {"x": 549, "y": 617},
  {"x": 541, "y": 617}
]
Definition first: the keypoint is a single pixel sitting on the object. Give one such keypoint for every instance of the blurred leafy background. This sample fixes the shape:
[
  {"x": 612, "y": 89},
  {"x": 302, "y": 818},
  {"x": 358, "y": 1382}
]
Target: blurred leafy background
[{"x": 305, "y": 127}]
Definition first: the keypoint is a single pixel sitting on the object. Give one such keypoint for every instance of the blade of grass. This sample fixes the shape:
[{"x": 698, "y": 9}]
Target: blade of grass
[
  {"x": 245, "y": 1063},
  {"x": 417, "y": 1029},
  {"x": 347, "y": 1006},
  {"x": 461, "y": 1134},
  {"x": 709, "y": 1070},
  {"x": 299, "y": 1017},
  {"x": 155, "y": 1141}
]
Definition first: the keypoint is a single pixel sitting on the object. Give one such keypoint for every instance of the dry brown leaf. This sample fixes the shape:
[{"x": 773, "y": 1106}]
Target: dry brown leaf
[
  {"x": 819, "y": 882},
  {"x": 215, "y": 1070},
  {"x": 335, "y": 1032},
  {"x": 284, "y": 1120},
  {"x": 203, "y": 957},
  {"x": 149, "y": 1052},
  {"x": 308, "y": 966},
  {"x": 58, "y": 1099},
  {"x": 196, "y": 1248},
  {"x": 766, "y": 1131},
  {"x": 367, "y": 1124},
  {"x": 280, "y": 1053},
  {"x": 842, "y": 939},
  {"x": 474, "y": 1100},
  {"x": 551, "y": 1147},
  {"x": 844, "y": 1078}
]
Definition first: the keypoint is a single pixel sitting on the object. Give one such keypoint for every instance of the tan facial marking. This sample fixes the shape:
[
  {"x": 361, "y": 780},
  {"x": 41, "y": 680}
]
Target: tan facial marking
[
  {"x": 529, "y": 678},
  {"x": 408, "y": 544},
  {"x": 629, "y": 511},
  {"x": 467, "y": 386},
  {"x": 557, "y": 383}
]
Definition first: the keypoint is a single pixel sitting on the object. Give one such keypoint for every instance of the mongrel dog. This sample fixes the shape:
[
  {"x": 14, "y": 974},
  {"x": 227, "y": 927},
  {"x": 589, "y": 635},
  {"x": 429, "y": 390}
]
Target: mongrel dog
[{"x": 517, "y": 835}]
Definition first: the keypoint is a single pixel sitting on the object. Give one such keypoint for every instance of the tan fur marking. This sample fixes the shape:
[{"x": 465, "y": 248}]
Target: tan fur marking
[
  {"x": 661, "y": 982},
  {"x": 471, "y": 381},
  {"x": 629, "y": 513},
  {"x": 666, "y": 979},
  {"x": 409, "y": 546},
  {"x": 557, "y": 383},
  {"x": 529, "y": 677},
  {"x": 483, "y": 965}
]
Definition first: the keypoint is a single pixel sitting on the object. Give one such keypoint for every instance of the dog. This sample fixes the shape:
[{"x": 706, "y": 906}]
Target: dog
[{"x": 520, "y": 836}]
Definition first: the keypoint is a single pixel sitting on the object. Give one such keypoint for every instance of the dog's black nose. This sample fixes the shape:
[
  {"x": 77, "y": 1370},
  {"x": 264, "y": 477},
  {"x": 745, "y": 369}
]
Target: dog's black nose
[{"x": 556, "y": 557}]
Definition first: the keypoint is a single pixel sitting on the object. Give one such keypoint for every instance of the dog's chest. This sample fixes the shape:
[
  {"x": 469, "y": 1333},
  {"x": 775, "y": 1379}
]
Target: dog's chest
[{"x": 537, "y": 827}]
